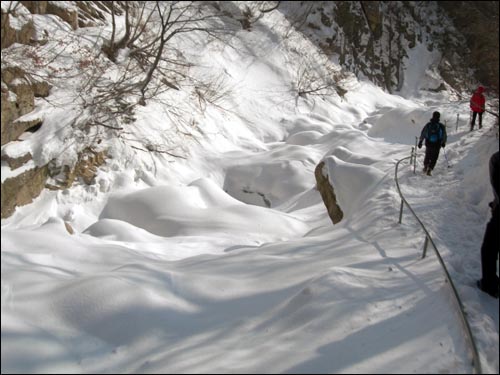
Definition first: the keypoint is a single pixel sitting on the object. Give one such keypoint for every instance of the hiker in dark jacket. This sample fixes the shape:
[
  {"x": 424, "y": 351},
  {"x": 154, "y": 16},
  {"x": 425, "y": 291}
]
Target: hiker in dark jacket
[
  {"x": 491, "y": 241},
  {"x": 435, "y": 137}
]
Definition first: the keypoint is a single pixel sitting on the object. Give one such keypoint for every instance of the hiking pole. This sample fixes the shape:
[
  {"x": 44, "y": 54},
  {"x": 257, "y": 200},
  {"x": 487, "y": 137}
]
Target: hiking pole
[{"x": 446, "y": 157}]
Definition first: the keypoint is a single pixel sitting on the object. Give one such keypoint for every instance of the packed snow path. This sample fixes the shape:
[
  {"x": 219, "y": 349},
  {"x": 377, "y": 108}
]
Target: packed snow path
[{"x": 456, "y": 219}]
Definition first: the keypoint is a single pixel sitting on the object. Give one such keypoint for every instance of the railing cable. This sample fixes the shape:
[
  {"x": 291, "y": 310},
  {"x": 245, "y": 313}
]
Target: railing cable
[{"x": 475, "y": 356}]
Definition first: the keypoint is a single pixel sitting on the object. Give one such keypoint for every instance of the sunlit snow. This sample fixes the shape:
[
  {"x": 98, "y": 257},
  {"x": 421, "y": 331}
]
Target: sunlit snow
[{"x": 225, "y": 260}]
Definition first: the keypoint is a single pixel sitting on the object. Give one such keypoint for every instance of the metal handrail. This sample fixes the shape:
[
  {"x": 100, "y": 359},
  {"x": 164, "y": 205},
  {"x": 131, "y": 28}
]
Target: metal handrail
[{"x": 475, "y": 356}]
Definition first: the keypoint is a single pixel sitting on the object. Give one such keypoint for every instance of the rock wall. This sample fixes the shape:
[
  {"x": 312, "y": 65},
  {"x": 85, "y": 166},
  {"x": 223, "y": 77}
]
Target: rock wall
[
  {"x": 373, "y": 38},
  {"x": 22, "y": 189},
  {"x": 19, "y": 90},
  {"x": 478, "y": 22},
  {"x": 23, "y": 31}
]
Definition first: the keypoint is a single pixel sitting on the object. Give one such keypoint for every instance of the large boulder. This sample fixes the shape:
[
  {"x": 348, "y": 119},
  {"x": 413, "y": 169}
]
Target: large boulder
[{"x": 327, "y": 193}]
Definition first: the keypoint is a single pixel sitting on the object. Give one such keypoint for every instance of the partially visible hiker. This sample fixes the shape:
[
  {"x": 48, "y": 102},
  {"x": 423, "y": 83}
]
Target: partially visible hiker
[
  {"x": 491, "y": 241},
  {"x": 477, "y": 106},
  {"x": 435, "y": 137}
]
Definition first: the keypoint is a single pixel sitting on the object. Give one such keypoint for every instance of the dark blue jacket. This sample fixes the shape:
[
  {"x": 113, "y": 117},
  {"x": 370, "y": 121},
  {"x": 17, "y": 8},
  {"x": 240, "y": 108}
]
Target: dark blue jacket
[{"x": 426, "y": 133}]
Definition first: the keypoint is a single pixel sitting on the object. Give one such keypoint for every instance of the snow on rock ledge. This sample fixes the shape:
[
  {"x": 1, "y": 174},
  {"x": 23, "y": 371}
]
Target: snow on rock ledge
[{"x": 344, "y": 186}]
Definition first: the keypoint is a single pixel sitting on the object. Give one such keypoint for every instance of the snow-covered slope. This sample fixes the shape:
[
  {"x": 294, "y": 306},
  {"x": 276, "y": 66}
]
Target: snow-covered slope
[{"x": 225, "y": 260}]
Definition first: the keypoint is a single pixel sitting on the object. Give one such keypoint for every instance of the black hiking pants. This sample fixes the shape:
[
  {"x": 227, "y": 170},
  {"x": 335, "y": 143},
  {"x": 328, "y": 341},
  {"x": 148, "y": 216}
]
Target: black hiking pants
[
  {"x": 431, "y": 155},
  {"x": 489, "y": 252},
  {"x": 473, "y": 122}
]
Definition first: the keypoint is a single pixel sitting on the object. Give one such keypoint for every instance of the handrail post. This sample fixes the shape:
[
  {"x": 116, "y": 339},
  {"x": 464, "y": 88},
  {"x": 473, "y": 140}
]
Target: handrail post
[
  {"x": 401, "y": 211},
  {"x": 426, "y": 242},
  {"x": 414, "y": 158}
]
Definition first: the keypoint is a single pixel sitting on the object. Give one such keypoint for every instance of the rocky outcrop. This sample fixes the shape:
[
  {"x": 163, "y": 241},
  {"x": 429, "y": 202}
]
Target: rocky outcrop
[
  {"x": 36, "y": 7},
  {"x": 327, "y": 194},
  {"x": 15, "y": 163},
  {"x": 68, "y": 13},
  {"x": 85, "y": 169},
  {"x": 22, "y": 31},
  {"x": 374, "y": 38},
  {"x": 22, "y": 189},
  {"x": 69, "y": 228},
  {"x": 63, "y": 9},
  {"x": 92, "y": 13},
  {"x": 478, "y": 22},
  {"x": 19, "y": 90}
]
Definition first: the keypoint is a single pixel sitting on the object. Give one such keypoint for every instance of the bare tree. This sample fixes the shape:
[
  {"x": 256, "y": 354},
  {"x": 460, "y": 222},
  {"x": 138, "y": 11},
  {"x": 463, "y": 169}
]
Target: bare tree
[
  {"x": 134, "y": 27},
  {"x": 174, "y": 18},
  {"x": 214, "y": 91},
  {"x": 318, "y": 77}
]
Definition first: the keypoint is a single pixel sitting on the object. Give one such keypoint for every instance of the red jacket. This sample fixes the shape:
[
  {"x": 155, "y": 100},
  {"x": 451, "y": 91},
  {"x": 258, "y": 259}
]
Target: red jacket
[{"x": 478, "y": 100}]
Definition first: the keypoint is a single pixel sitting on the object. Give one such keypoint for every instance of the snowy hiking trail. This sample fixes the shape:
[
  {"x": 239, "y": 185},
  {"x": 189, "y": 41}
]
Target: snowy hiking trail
[{"x": 450, "y": 225}]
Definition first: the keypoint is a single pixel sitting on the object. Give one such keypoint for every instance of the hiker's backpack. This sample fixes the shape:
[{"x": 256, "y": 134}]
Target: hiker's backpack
[{"x": 434, "y": 132}]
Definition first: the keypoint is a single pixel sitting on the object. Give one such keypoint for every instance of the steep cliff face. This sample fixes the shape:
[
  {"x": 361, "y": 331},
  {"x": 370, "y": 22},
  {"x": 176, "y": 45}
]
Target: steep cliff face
[
  {"x": 478, "y": 22},
  {"x": 375, "y": 39}
]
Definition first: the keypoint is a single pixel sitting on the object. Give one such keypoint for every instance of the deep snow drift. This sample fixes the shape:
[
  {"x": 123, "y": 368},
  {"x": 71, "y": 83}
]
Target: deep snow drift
[{"x": 226, "y": 261}]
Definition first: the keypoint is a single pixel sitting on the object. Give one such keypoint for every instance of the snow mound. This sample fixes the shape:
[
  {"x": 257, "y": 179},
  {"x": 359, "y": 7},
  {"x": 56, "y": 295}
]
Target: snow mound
[
  {"x": 352, "y": 182},
  {"x": 273, "y": 177},
  {"x": 304, "y": 138},
  {"x": 101, "y": 305},
  {"x": 348, "y": 156},
  {"x": 267, "y": 184},
  {"x": 200, "y": 208},
  {"x": 400, "y": 125},
  {"x": 118, "y": 230}
]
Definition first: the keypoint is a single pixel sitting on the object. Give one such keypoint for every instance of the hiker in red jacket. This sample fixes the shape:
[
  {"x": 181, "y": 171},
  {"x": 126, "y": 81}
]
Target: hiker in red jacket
[{"x": 477, "y": 105}]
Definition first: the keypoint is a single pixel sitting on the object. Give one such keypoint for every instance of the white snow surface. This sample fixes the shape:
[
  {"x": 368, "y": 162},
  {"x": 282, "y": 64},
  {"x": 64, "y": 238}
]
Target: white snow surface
[{"x": 227, "y": 262}]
